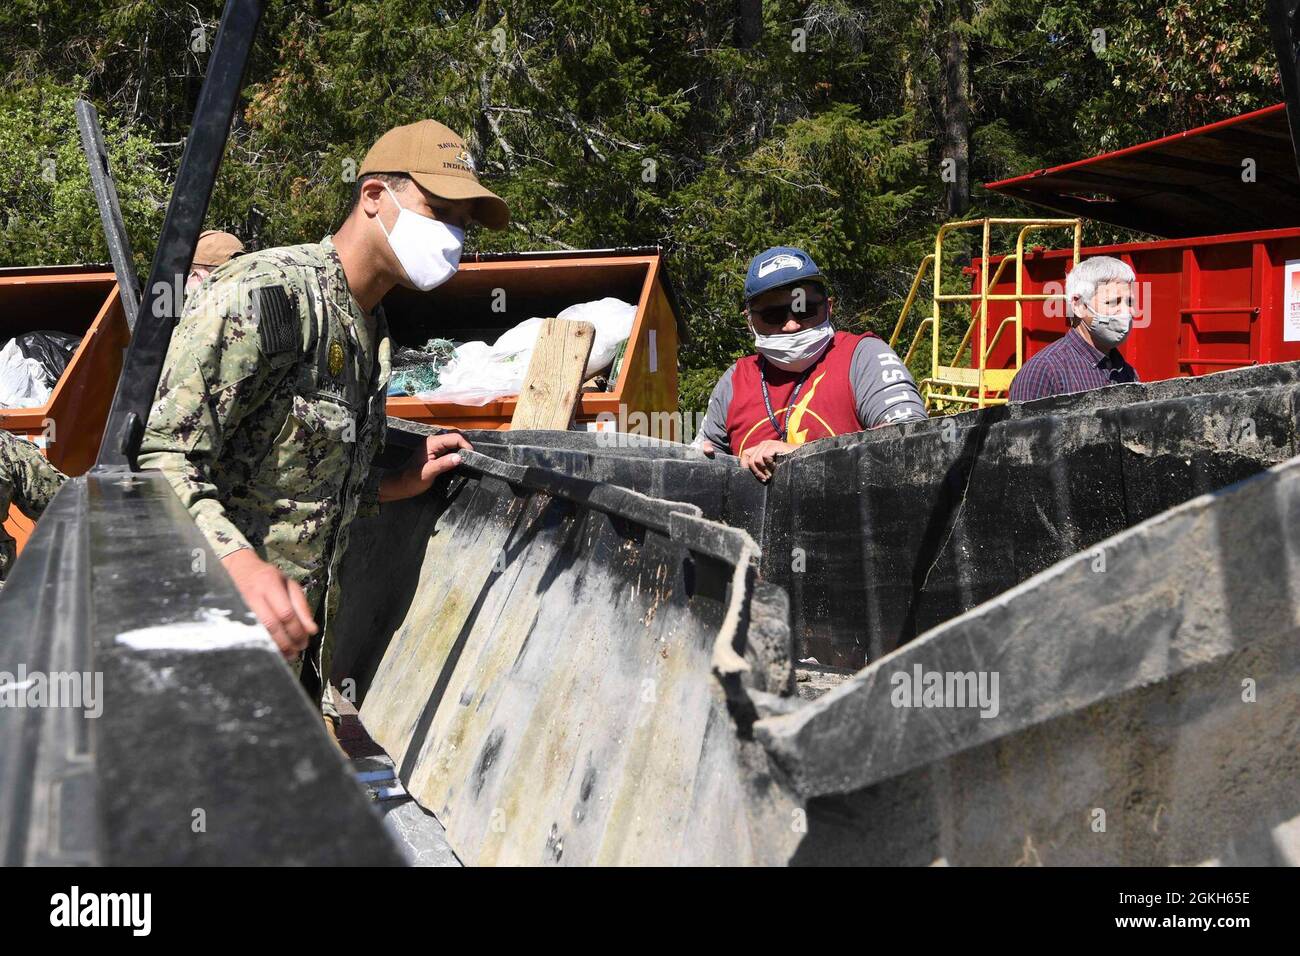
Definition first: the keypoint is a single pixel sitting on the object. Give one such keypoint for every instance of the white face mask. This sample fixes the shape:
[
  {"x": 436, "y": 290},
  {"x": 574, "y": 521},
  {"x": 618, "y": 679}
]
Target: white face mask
[
  {"x": 795, "y": 351},
  {"x": 1108, "y": 331},
  {"x": 428, "y": 250}
]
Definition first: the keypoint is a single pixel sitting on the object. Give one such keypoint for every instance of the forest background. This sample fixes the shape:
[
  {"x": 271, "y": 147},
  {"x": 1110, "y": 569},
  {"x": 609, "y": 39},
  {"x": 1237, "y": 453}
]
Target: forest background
[{"x": 711, "y": 129}]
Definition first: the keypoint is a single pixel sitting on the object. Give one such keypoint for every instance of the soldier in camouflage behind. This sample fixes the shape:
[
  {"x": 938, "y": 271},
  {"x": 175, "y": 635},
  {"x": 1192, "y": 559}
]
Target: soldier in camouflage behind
[
  {"x": 29, "y": 482},
  {"x": 214, "y": 249},
  {"x": 270, "y": 406}
]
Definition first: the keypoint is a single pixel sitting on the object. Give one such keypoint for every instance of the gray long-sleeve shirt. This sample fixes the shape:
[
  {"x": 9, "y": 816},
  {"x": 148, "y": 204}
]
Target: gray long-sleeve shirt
[{"x": 883, "y": 397}]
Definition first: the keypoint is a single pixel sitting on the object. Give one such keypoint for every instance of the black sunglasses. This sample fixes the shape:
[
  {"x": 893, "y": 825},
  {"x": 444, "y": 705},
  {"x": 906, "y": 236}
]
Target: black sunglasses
[{"x": 775, "y": 314}]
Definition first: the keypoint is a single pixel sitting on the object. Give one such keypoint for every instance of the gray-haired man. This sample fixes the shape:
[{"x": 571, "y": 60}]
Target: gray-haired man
[{"x": 1100, "y": 293}]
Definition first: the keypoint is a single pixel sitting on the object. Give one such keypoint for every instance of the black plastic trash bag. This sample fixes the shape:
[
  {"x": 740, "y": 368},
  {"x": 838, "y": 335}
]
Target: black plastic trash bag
[{"x": 54, "y": 350}]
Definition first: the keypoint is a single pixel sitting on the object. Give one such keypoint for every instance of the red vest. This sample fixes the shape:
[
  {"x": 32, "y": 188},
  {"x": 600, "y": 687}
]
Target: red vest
[{"x": 825, "y": 407}]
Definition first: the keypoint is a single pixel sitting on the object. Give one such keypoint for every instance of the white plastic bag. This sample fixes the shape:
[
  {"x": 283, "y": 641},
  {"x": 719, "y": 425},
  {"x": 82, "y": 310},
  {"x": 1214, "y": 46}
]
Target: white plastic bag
[
  {"x": 23, "y": 383},
  {"x": 481, "y": 373},
  {"x": 521, "y": 338},
  {"x": 613, "y": 320}
]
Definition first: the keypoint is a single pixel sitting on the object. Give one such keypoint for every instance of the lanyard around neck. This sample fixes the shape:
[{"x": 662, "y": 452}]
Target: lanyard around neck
[{"x": 780, "y": 427}]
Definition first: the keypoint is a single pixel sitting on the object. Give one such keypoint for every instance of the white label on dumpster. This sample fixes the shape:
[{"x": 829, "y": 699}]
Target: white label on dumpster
[
  {"x": 1291, "y": 317},
  {"x": 654, "y": 352}
]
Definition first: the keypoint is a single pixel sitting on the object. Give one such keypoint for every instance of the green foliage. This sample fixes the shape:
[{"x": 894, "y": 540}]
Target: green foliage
[
  {"x": 833, "y": 184},
  {"x": 50, "y": 214},
  {"x": 695, "y": 385},
  {"x": 676, "y": 123},
  {"x": 1162, "y": 67}
]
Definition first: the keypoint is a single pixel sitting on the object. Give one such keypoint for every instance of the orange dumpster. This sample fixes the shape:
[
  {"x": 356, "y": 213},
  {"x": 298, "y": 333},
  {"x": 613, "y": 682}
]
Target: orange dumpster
[
  {"x": 493, "y": 292},
  {"x": 489, "y": 294},
  {"x": 81, "y": 300}
]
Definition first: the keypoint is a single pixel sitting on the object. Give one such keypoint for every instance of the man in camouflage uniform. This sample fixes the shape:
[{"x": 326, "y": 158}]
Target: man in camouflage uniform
[
  {"x": 28, "y": 481},
  {"x": 214, "y": 248},
  {"x": 270, "y": 406}
]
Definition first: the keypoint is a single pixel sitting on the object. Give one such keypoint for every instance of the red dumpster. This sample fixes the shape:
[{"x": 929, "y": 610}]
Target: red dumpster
[{"x": 1208, "y": 302}]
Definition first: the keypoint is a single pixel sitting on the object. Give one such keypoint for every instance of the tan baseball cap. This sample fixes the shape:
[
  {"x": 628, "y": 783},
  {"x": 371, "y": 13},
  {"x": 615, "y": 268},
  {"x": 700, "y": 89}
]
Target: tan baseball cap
[
  {"x": 216, "y": 248},
  {"x": 437, "y": 159}
]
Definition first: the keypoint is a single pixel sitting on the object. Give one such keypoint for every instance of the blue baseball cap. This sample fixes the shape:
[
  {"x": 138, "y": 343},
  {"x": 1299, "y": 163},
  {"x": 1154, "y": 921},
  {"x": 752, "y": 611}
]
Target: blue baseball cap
[{"x": 779, "y": 266}]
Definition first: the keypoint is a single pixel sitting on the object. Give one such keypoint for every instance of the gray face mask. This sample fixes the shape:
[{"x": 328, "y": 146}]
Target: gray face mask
[{"x": 1108, "y": 331}]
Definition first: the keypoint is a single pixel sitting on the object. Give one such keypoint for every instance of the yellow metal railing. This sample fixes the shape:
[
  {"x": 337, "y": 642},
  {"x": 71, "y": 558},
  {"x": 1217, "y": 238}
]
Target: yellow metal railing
[{"x": 950, "y": 385}]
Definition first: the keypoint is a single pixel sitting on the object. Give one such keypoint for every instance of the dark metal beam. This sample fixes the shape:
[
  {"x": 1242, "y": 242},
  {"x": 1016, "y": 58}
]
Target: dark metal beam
[
  {"x": 1283, "y": 22},
  {"x": 164, "y": 293},
  {"x": 110, "y": 213}
]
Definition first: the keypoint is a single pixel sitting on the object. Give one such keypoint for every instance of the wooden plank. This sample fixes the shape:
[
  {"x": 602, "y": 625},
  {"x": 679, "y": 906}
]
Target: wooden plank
[{"x": 555, "y": 373}]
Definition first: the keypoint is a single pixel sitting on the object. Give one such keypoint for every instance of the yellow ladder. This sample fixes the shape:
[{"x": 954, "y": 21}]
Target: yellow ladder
[{"x": 951, "y": 386}]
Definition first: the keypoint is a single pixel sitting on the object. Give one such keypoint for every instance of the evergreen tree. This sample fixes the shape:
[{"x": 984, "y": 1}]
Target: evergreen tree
[{"x": 713, "y": 129}]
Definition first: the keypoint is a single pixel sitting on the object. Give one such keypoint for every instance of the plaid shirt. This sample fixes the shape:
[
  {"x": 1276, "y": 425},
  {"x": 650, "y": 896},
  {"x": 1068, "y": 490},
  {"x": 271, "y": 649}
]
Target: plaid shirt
[{"x": 1069, "y": 365}]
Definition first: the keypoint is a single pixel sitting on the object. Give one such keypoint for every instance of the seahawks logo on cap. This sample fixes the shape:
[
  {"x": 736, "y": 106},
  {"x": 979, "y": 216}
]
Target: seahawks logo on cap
[{"x": 782, "y": 260}]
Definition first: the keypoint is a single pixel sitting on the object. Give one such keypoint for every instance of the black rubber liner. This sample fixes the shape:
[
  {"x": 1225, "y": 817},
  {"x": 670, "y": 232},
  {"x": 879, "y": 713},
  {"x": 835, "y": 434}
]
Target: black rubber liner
[
  {"x": 199, "y": 719},
  {"x": 552, "y": 662},
  {"x": 880, "y": 535}
]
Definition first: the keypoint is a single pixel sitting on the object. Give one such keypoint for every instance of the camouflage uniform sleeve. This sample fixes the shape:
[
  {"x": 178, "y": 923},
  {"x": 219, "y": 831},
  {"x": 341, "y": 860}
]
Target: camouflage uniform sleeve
[
  {"x": 33, "y": 480},
  {"x": 368, "y": 502},
  {"x": 214, "y": 374}
]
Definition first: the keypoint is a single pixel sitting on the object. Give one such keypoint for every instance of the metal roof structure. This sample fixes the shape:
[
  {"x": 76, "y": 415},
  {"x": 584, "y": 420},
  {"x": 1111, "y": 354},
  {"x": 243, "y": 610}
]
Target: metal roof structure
[{"x": 1195, "y": 183}]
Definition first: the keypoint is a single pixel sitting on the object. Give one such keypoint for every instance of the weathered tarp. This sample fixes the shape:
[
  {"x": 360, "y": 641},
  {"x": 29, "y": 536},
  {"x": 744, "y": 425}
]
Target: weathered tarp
[
  {"x": 1138, "y": 704},
  {"x": 567, "y": 671}
]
